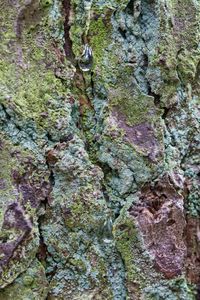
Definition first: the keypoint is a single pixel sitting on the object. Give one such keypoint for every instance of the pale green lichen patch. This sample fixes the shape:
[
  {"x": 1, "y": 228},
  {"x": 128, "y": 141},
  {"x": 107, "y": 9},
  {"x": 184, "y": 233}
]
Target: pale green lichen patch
[
  {"x": 28, "y": 83},
  {"x": 99, "y": 33},
  {"x": 138, "y": 264},
  {"x": 135, "y": 108},
  {"x": 28, "y": 91},
  {"x": 17, "y": 200},
  {"x": 32, "y": 284},
  {"x": 8, "y": 163},
  {"x": 173, "y": 290}
]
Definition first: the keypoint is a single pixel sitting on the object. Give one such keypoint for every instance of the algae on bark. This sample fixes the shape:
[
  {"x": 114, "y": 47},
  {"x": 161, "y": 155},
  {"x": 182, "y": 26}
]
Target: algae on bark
[{"x": 99, "y": 187}]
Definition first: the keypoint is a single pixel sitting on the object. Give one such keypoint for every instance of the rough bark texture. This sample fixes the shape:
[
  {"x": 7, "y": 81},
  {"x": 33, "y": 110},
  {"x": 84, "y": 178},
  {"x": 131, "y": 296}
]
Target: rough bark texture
[{"x": 99, "y": 188}]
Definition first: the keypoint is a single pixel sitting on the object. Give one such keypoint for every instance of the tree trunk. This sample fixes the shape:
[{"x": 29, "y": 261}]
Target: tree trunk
[{"x": 99, "y": 149}]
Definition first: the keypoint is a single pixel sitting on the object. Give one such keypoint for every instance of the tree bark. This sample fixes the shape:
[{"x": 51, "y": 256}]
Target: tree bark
[{"x": 99, "y": 149}]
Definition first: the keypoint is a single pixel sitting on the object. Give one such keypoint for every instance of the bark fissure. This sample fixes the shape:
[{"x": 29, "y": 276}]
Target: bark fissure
[{"x": 68, "y": 43}]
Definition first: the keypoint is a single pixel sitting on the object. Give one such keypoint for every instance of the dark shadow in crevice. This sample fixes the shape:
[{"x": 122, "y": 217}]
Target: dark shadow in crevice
[
  {"x": 122, "y": 32},
  {"x": 68, "y": 43},
  {"x": 130, "y": 7}
]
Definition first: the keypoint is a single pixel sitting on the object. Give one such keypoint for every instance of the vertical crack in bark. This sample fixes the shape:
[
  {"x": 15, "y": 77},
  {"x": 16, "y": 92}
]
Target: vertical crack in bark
[
  {"x": 42, "y": 250},
  {"x": 68, "y": 43}
]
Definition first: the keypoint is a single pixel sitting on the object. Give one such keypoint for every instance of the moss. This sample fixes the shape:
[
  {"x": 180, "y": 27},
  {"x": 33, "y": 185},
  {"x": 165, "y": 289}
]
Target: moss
[
  {"x": 28, "y": 85},
  {"x": 6, "y": 165},
  {"x": 78, "y": 28},
  {"x": 177, "y": 55},
  {"x": 187, "y": 64},
  {"x": 46, "y": 3},
  {"x": 99, "y": 33},
  {"x": 126, "y": 237},
  {"x": 32, "y": 284},
  {"x": 84, "y": 212},
  {"x": 31, "y": 93},
  {"x": 105, "y": 59},
  {"x": 79, "y": 264},
  {"x": 135, "y": 108}
]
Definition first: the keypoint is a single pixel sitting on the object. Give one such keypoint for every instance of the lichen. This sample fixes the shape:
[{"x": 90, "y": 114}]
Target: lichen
[
  {"x": 96, "y": 161},
  {"x": 31, "y": 284}
]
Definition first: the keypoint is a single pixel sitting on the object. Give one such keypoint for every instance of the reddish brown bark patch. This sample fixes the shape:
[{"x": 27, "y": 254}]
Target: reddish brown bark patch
[
  {"x": 193, "y": 250},
  {"x": 141, "y": 135},
  {"x": 26, "y": 184},
  {"x": 162, "y": 223},
  {"x": 14, "y": 219}
]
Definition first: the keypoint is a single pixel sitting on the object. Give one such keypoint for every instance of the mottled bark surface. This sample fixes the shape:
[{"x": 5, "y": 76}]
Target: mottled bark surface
[{"x": 99, "y": 149}]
